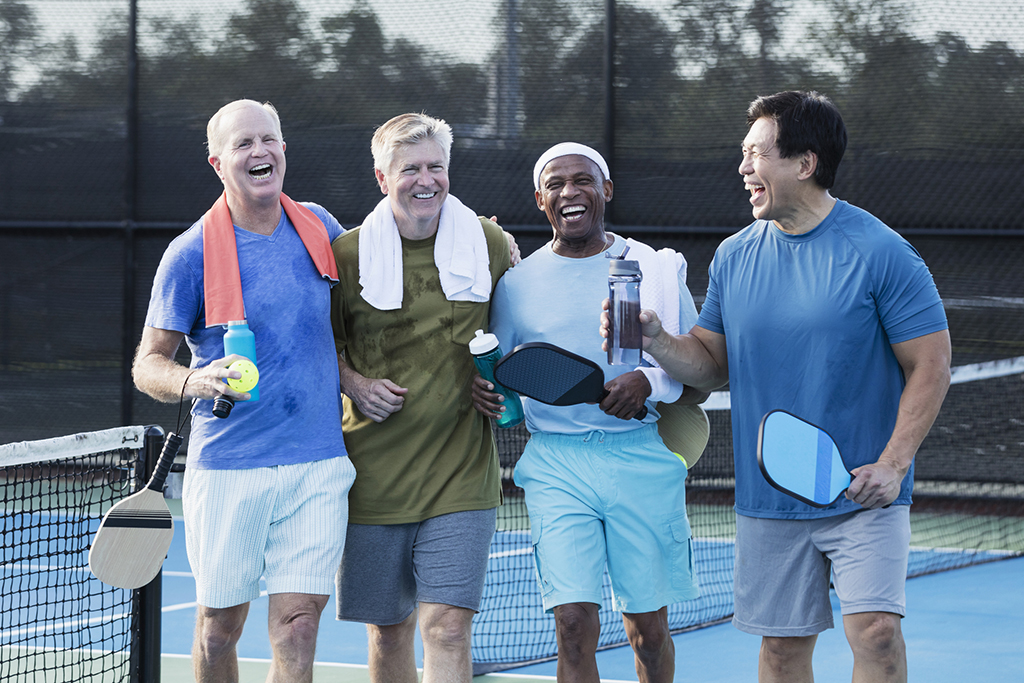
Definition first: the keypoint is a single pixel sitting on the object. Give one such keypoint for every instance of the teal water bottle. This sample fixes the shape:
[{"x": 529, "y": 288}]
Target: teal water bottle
[
  {"x": 485, "y": 355},
  {"x": 238, "y": 339}
]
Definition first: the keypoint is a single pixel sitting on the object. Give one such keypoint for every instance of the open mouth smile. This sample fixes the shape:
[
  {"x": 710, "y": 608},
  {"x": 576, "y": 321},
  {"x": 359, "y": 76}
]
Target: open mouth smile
[
  {"x": 573, "y": 213},
  {"x": 261, "y": 172}
]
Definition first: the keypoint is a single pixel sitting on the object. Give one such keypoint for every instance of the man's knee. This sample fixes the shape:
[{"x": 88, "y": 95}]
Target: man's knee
[
  {"x": 295, "y": 618},
  {"x": 446, "y": 626},
  {"x": 578, "y": 628},
  {"x": 874, "y": 634},
  {"x": 788, "y": 650},
  {"x": 392, "y": 636},
  {"x": 648, "y": 634},
  {"x": 219, "y": 630}
]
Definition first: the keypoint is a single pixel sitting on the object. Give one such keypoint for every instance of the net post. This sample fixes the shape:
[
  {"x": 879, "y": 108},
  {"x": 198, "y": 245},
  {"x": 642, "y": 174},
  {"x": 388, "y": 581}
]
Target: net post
[{"x": 146, "y": 616}]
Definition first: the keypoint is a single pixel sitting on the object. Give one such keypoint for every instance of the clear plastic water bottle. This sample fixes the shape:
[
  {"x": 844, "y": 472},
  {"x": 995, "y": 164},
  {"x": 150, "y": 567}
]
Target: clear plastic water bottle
[
  {"x": 238, "y": 339},
  {"x": 486, "y": 354},
  {"x": 625, "y": 340}
]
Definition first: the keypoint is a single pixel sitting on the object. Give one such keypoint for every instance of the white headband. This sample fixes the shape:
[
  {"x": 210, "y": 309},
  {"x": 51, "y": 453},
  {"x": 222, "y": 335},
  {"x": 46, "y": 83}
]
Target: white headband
[{"x": 564, "y": 149}]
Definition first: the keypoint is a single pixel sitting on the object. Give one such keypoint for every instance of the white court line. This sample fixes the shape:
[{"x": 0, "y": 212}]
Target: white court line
[
  {"x": 192, "y": 605},
  {"x": 961, "y": 551},
  {"x": 43, "y": 629}
]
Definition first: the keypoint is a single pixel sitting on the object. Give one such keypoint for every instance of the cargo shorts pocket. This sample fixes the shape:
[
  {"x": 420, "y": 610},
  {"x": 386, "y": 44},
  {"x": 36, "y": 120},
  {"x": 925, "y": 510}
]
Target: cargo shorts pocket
[
  {"x": 536, "y": 533},
  {"x": 682, "y": 547}
]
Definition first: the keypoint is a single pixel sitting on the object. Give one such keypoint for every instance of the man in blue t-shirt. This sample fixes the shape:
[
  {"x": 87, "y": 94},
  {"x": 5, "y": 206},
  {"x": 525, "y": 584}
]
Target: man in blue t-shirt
[
  {"x": 819, "y": 309},
  {"x": 266, "y": 489}
]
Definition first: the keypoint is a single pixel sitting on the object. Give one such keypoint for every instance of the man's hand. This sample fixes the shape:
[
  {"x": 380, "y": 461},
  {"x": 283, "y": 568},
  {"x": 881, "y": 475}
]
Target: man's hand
[
  {"x": 486, "y": 402},
  {"x": 513, "y": 248},
  {"x": 208, "y": 382},
  {"x": 626, "y": 395},
  {"x": 876, "y": 485},
  {"x": 375, "y": 398},
  {"x": 650, "y": 325}
]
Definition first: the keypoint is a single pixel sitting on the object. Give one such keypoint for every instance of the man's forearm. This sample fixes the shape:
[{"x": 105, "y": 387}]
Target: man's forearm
[
  {"x": 919, "y": 406},
  {"x": 349, "y": 378},
  {"x": 686, "y": 359},
  {"x": 160, "y": 377}
]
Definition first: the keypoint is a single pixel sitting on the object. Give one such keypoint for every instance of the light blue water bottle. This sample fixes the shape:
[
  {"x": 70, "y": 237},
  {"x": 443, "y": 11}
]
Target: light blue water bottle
[
  {"x": 485, "y": 354},
  {"x": 240, "y": 339}
]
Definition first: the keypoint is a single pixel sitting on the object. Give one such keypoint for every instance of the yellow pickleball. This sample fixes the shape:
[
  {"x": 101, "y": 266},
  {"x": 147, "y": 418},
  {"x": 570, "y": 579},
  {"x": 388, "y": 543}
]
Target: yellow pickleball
[{"x": 250, "y": 375}]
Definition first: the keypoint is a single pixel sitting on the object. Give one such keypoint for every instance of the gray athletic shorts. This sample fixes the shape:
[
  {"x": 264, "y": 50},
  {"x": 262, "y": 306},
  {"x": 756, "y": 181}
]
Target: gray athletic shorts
[
  {"x": 783, "y": 568},
  {"x": 387, "y": 569}
]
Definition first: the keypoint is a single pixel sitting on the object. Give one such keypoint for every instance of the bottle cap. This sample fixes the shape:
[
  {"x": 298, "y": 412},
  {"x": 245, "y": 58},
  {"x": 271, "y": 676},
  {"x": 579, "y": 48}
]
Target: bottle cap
[
  {"x": 485, "y": 342},
  {"x": 624, "y": 268}
]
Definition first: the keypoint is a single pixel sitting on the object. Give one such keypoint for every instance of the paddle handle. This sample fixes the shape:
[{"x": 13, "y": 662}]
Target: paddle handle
[
  {"x": 640, "y": 414},
  {"x": 167, "y": 454}
]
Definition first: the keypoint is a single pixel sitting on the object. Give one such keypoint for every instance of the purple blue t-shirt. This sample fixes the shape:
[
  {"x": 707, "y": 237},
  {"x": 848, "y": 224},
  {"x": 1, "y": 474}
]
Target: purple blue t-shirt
[
  {"x": 809, "y": 321},
  {"x": 287, "y": 303}
]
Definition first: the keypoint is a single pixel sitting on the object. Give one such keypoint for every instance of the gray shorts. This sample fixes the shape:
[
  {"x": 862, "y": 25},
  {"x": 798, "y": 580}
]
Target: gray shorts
[
  {"x": 387, "y": 569},
  {"x": 783, "y": 569}
]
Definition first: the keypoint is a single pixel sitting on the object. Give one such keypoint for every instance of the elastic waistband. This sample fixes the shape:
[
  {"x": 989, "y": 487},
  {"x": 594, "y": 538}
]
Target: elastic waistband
[{"x": 600, "y": 438}]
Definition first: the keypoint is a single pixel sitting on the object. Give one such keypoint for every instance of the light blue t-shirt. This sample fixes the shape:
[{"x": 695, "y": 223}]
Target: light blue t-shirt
[
  {"x": 808, "y": 322},
  {"x": 287, "y": 302},
  {"x": 556, "y": 299}
]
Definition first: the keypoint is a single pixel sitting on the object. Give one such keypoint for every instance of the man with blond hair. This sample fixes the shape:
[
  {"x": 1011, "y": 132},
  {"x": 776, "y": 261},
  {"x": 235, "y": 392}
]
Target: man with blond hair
[
  {"x": 266, "y": 489},
  {"x": 415, "y": 282}
]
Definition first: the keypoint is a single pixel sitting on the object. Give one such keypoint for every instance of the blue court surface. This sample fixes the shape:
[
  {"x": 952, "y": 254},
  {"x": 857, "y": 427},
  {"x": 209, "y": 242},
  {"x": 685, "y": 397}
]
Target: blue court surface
[{"x": 962, "y": 625}]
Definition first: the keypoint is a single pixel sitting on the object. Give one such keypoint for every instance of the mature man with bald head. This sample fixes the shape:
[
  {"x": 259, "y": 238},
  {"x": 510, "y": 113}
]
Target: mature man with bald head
[
  {"x": 602, "y": 489},
  {"x": 266, "y": 489}
]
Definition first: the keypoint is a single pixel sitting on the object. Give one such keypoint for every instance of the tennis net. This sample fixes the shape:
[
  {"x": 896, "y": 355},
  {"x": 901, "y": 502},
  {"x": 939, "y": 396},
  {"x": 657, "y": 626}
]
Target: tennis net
[
  {"x": 968, "y": 509},
  {"x": 57, "y": 621}
]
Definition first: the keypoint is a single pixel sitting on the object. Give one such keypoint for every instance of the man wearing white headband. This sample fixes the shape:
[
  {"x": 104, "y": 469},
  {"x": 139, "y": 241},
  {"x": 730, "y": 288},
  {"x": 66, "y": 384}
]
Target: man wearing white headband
[{"x": 602, "y": 489}]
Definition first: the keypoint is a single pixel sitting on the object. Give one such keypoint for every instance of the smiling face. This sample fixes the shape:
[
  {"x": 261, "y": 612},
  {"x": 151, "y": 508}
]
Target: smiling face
[
  {"x": 247, "y": 152},
  {"x": 773, "y": 181},
  {"x": 572, "y": 194},
  {"x": 417, "y": 184}
]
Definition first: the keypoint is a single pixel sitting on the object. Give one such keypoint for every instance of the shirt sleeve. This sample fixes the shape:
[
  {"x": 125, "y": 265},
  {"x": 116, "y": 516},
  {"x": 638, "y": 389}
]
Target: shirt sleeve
[{"x": 908, "y": 302}]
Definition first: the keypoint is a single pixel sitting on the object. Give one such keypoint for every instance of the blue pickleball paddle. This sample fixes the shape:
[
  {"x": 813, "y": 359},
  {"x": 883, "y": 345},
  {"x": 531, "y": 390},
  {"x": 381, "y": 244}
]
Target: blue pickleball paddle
[{"x": 801, "y": 459}]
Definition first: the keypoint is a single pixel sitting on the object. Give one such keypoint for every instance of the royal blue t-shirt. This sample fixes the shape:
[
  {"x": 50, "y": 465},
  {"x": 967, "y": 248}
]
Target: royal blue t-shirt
[
  {"x": 287, "y": 303},
  {"x": 808, "y": 321}
]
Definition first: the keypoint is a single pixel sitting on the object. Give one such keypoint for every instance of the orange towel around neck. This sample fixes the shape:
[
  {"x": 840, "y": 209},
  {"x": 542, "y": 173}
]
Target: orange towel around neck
[{"x": 222, "y": 280}]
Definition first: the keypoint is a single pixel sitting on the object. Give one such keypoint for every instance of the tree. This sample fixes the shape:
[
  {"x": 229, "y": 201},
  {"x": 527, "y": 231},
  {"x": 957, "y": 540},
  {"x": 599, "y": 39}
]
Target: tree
[{"x": 18, "y": 40}]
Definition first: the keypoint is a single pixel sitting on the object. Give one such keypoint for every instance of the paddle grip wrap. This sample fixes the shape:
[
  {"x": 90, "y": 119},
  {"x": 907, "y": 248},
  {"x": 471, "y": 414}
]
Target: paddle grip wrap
[{"x": 167, "y": 454}]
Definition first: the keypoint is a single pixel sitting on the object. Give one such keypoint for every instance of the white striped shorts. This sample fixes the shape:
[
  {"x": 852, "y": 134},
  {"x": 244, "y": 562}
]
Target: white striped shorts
[{"x": 286, "y": 524}]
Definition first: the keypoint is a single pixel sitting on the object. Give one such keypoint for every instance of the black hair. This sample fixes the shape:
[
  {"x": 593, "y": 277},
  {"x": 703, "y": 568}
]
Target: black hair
[{"x": 806, "y": 121}]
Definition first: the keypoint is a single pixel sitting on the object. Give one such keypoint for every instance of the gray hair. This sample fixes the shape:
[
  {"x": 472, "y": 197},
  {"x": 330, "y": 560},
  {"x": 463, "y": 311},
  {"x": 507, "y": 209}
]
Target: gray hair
[
  {"x": 214, "y": 134},
  {"x": 409, "y": 129}
]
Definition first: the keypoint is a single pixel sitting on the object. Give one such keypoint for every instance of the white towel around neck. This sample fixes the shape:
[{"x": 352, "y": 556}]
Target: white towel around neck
[{"x": 460, "y": 254}]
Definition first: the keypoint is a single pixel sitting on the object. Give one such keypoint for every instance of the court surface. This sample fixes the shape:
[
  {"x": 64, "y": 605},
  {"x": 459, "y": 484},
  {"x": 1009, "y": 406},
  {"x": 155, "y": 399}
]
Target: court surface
[{"x": 964, "y": 624}]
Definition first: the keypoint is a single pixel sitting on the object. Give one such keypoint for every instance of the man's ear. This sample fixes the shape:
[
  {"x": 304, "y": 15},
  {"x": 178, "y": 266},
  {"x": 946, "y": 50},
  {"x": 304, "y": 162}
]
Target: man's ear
[
  {"x": 215, "y": 162},
  {"x": 540, "y": 199},
  {"x": 382, "y": 180},
  {"x": 808, "y": 165},
  {"x": 608, "y": 190}
]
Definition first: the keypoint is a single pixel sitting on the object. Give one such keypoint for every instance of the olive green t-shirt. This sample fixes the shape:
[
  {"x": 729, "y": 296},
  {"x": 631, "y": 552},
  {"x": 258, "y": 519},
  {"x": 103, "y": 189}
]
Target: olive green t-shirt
[{"x": 436, "y": 454}]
